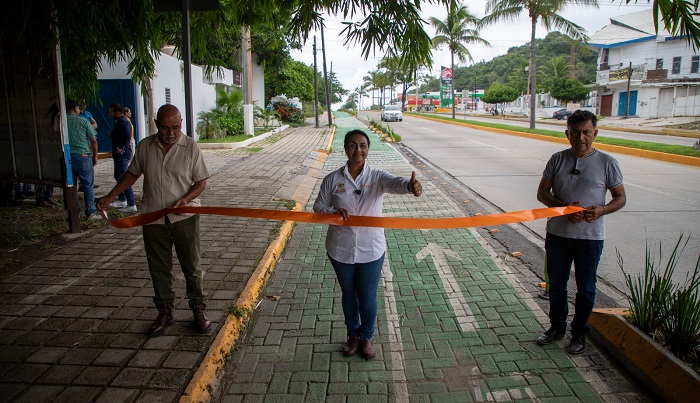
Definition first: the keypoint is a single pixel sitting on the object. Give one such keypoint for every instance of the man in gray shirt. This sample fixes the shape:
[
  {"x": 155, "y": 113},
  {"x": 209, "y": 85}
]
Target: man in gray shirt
[{"x": 580, "y": 176}]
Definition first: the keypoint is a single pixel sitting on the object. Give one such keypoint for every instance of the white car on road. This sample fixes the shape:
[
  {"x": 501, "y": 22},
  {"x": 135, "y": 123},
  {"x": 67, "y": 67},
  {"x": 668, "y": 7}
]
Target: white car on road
[{"x": 392, "y": 113}]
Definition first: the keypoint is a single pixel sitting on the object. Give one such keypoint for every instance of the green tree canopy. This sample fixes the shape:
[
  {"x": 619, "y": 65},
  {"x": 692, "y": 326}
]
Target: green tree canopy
[
  {"x": 497, "y": 94},
  {"x": 567, "y": 90},
  {"x": 294, "y": 79}
]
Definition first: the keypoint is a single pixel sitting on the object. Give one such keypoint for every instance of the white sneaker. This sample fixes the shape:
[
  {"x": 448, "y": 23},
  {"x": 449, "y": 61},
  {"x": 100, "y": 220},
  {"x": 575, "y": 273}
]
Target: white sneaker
[
  {"x": 118, "y": 204},
  {"x": 95, "y": 217},
  {"x": 128, "y": 209}
]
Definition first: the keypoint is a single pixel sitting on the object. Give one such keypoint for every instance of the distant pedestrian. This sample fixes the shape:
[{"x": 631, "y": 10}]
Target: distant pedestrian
[
  {"x": 83, "y": 155},
  {"x": 127, "y": 115},
  {"x": 174, "y": 176},
  {"x": 580, "y": 175},
  {"x": 357, "y": 253},
  {"x": 121, "y": 155},
  {"x": 87, "y": 115}
]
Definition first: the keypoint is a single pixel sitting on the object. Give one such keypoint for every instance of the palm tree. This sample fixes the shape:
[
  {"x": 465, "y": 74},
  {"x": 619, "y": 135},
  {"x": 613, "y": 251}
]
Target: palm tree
[
  {"x": 454, "y": 32},
  {"x": 548, "y": 12},
  {"x": 373, "y": 82}
]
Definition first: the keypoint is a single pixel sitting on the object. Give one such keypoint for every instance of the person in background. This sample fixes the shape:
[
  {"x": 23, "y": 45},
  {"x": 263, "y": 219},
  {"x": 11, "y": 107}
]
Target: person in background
[
  {"x": 121, "y": 155},
  {"x": 87, "y": 115},
  {"x": 580, "y": 175},
  {"x": 43, "y": 196},
  {"x": 357, "y": 253},
  {"x": 127, "y": 114},
  {"x": 83, "y": 157},
  {"x": 174, "y": 172}
]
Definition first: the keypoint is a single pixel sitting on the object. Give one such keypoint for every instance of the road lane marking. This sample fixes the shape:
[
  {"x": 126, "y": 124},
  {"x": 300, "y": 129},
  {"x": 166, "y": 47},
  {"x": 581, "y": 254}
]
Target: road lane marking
[{"x": 455, "y": 297}]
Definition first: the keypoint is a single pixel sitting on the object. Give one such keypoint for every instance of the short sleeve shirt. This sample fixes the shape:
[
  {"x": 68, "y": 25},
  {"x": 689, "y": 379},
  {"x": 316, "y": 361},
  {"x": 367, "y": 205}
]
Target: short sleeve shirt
[
  {"x": 364, "y": 196},
  {"x": 80, "y": 132},
  {"x": 597, "y": 172},
  {"x": 168, "y": 177}
]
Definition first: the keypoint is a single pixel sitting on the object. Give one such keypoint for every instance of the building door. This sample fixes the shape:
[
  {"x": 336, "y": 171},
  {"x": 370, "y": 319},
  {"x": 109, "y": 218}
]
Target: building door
[
  {"x": 606, "y": 105},
  {"x": 622, "y": 107},
  {"x": 666, "y": 103},
  {"x": 122, "y": 92}
]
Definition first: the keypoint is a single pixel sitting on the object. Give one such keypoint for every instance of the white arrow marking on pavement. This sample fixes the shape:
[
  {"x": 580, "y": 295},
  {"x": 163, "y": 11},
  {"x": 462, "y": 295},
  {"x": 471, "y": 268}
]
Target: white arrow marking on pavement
[
  {"x": 465, "y": 318},
  {"x": 398, "y": 368}
]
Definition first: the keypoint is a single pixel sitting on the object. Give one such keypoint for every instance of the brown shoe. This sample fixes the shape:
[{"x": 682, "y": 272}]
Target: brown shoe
[
  {"x": 165, "y": 318},
  {"x": 367, "y": 349},
  {"x": 350, "y": 347},
  {"x": 201, "y": 322}
]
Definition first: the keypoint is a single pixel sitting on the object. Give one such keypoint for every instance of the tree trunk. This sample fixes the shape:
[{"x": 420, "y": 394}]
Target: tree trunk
[{"x": 533, "y": 74}]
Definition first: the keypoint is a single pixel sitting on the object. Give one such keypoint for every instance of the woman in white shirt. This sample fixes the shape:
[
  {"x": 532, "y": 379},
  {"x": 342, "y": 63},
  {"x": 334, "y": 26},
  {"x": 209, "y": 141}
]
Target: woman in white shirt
[{"x": 357, "y": 253}]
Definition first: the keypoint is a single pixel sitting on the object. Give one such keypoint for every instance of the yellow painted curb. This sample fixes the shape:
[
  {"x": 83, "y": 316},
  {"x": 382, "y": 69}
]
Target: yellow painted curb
[
  {"x": 678, "y": 159},
  {"x": 657, "y": 368},
  {"x": 206, "y": 380}
]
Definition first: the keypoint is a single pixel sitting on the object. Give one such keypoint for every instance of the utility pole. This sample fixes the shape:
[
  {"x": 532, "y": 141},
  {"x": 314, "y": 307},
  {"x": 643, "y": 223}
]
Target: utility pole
[
  {"x": 315, "y": 85},
  {"x": 325, "y": 78},
  {"x": 330, "y": 84},
  {"x": 629, "y": 78},
  {"x": 247, "y": 82}
]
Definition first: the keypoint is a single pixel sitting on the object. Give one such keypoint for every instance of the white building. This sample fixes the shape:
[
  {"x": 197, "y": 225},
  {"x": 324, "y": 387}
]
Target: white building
[
  {"x": 665, "y": 79},
  {"x": 168, "y": 87}
]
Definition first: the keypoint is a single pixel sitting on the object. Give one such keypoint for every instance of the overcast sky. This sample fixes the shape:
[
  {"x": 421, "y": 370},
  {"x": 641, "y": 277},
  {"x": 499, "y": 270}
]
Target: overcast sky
[{"x": 350, "y": 67}]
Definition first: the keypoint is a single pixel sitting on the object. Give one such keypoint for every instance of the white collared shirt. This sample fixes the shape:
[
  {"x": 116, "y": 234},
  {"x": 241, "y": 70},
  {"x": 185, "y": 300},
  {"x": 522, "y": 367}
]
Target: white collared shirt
[{"x": 362, "y": 196}]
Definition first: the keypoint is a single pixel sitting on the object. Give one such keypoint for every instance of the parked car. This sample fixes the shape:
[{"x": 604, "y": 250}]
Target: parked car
[
  {"x": 562, "y": 114},
  {"x": 392, "y": 113}
]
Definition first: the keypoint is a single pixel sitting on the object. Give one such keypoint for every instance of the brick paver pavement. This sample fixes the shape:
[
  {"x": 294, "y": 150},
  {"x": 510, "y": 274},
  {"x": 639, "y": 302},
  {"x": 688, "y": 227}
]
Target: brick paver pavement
[
  {"x": 455, "y": 321},
  {"x": 72, "y": 325}
]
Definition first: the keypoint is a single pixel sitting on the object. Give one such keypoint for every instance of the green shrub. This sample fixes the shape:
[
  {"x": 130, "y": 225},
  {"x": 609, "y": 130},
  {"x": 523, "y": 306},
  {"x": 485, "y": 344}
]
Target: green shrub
[
  {"x": 288, "y": 113},
  {"x": 658, "y": 307},
  {"x": 231, "y": 123}
]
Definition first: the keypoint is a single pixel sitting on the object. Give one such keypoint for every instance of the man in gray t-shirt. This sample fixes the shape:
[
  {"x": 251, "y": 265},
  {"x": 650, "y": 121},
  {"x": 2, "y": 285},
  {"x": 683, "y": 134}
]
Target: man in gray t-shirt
[{"x": 581, "y": 176}]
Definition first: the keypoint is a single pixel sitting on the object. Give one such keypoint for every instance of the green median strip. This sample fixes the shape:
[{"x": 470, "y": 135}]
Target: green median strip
[{"x": 642, "y": 145}]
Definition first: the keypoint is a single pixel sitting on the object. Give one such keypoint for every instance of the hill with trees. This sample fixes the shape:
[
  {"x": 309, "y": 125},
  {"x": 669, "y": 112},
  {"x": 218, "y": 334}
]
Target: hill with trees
[{"x": 553, "y": 60}]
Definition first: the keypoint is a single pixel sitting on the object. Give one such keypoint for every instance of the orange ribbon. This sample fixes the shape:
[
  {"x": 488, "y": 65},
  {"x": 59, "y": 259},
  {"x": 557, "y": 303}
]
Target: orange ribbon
[{"x": 356, "y": 221}]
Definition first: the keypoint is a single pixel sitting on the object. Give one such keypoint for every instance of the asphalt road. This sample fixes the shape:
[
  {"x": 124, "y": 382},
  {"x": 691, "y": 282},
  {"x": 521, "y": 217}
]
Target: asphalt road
[{"x": 663, "y": 199}]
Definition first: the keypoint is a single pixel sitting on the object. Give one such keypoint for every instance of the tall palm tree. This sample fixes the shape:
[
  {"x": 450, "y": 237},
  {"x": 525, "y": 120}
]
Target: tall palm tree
[
  {"x": 546, "y": 11},
  {"x": 455, "y": 32},
  {"x": 373, "y": 81}
]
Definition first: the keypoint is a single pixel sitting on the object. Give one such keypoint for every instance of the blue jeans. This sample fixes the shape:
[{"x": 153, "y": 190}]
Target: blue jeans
[
  {"x": 585, "y": 254},
  {"x": 84, "y": 171},
  {"x": 121, "y": 164},
  {"x": 359, "y": 283}
]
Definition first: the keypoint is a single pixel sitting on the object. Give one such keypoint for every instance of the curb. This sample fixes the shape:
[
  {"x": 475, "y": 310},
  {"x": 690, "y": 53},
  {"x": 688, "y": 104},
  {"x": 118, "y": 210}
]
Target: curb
[
  {"x": 678, "y": 159},
  {"x": 206, "y": 379},
  {"x": 655, "y": 367}
]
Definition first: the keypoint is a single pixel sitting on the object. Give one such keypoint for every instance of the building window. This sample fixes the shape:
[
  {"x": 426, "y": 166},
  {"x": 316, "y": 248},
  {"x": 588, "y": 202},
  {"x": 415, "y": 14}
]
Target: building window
[
  {"x": 167, "y": 96},
  {"x": 694, "y": 64},
  {"x": 659, "y": 64},
  {"x": 676, "y": 69}
]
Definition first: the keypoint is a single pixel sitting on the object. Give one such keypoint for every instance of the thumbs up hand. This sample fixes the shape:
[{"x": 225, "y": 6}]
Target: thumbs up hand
[{"x": 414, "y": 186}]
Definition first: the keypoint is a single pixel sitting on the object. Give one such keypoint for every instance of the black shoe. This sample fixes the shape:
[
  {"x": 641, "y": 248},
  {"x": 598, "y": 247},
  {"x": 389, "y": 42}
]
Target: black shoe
[
  {"x": 201, "y": 322},
  {"x": 577, "y": 345},
  {"x": 550, "y": 336},
  {"x": 165, "y": 318}
]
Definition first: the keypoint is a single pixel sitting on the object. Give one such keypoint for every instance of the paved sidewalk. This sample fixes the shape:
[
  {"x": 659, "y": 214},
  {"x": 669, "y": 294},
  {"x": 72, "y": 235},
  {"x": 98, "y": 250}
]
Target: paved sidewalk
[
  {"x": 455, "y": 322},
  {"x": 73, "y": 325}
]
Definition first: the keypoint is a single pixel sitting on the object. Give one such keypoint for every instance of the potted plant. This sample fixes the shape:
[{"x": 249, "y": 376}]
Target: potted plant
[{"x": 661, "y": 328}]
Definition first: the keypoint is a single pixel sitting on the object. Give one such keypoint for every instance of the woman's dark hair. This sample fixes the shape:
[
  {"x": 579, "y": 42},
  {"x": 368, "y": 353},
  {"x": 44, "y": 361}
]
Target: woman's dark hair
[
  {"x": 352, "y": 133},
  {"x": 581, "y": 116}
]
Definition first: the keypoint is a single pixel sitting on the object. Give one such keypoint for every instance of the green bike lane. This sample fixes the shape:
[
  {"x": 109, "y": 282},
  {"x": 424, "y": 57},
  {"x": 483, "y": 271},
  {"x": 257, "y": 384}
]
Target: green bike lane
[{"x": 454, "y": 324}]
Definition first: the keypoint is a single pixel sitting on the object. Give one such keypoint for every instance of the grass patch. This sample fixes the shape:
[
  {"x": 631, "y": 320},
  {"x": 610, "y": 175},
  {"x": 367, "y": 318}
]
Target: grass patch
[
  {"x": 254, "y": 149},
  {"x": 641, "y": 145}
]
